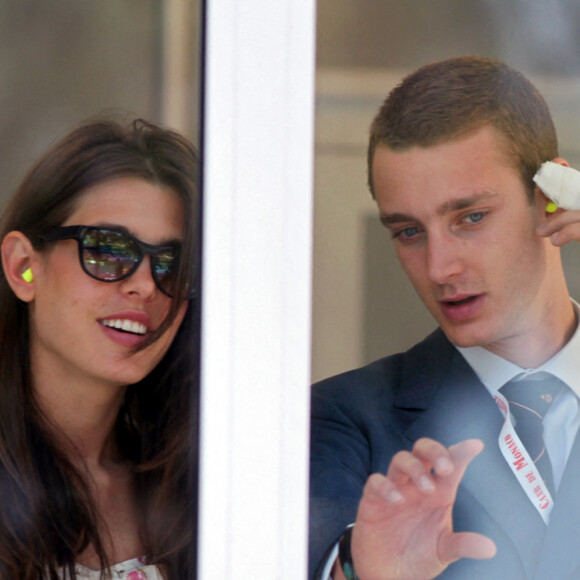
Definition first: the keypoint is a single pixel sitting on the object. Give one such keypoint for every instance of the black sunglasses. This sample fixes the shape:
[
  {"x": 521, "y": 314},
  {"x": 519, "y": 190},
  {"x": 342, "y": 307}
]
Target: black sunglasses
[{"x": 111, "y": 255}]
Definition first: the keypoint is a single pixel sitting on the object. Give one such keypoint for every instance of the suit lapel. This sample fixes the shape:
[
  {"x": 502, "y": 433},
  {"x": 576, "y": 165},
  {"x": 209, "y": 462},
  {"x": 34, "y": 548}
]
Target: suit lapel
[
  {"x": 560, "y": 557},
  {"x": 457, "y": 407}
]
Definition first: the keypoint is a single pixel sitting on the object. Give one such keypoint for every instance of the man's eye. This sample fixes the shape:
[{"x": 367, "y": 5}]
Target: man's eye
[
  {"x": 474, "y": 217},
  {"x": 406, "y": 233}
]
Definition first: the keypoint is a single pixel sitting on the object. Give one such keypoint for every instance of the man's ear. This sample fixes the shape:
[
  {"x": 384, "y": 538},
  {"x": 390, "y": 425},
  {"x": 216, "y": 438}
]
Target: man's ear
[
  {"x": 560, "y": 161},
  {"x": 19, "y": 263}
]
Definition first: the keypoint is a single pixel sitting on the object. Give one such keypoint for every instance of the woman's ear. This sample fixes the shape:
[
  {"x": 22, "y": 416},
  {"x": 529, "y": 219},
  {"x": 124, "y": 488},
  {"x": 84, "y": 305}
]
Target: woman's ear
[{"x": 19, "y": 263}]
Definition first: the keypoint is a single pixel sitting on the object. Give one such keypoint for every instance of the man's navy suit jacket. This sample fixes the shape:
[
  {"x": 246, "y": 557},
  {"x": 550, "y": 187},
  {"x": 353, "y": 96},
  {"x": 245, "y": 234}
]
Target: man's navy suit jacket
[{"x": 363, "y": 417}]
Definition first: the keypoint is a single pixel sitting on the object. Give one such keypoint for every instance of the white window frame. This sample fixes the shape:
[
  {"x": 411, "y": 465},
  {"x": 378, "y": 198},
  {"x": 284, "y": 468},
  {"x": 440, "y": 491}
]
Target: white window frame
[{"x": 256, "y": 291}]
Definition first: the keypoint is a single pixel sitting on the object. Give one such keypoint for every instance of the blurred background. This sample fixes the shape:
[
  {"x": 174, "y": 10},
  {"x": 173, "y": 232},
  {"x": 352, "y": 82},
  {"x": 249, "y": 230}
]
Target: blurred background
[
  {"x": 363, "y": 306},
  {"x": 64, "y": 61}
]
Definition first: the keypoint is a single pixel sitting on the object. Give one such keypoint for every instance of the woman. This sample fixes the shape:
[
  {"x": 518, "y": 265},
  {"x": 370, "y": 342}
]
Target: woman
[{"x": 97, "y": 325}]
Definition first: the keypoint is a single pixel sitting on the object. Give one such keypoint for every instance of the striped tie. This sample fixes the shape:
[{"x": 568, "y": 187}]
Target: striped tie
[{"x": 529, "y": 400}]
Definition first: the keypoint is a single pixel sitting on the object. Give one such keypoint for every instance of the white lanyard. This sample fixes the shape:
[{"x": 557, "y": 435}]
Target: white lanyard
[{"x": 521, "y": 464}]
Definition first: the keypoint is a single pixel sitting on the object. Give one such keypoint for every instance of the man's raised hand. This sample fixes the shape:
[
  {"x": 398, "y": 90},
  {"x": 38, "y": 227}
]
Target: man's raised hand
[{"x": 404, "y": 527}]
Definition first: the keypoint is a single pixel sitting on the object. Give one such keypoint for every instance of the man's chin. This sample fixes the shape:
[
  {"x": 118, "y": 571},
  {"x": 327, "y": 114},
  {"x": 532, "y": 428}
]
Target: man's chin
[{"x": 465, "y": 339}]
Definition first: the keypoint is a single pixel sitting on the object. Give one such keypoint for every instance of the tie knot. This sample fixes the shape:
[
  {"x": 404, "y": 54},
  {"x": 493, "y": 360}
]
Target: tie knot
[{"x": 532, "y": 394}]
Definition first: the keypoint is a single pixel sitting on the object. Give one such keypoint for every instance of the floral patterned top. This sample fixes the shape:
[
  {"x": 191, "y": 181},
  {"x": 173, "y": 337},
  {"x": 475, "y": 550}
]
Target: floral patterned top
[{"x": 135, "y": 569}]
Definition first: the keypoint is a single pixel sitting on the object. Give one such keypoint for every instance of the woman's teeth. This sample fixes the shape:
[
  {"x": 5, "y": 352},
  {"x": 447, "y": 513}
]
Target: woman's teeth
[{"x": 125, "y": 325}]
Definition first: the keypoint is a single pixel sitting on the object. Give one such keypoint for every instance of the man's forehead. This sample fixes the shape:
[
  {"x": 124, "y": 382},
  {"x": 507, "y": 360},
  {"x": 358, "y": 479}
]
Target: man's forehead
[
  {"x": 486, "y": 135},
  {"x": 458, "y": 172}
]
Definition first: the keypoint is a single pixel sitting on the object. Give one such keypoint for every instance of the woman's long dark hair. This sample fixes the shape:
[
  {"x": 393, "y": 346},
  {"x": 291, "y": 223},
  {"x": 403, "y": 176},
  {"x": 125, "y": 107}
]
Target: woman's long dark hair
[{"x": 47, "y": 514}]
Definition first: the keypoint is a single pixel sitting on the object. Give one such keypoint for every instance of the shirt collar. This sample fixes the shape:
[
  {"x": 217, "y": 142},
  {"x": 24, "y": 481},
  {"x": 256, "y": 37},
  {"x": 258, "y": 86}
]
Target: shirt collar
[{"x": 494, "y": 371}]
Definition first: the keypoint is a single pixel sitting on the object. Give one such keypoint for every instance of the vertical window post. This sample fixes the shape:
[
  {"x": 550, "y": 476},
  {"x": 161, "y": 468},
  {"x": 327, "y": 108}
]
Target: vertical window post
[{"x": 257, "y": 150}]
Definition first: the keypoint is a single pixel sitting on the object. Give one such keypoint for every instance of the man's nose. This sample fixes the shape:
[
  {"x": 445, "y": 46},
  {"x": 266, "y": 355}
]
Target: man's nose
[{"x": 444, "y": 258}]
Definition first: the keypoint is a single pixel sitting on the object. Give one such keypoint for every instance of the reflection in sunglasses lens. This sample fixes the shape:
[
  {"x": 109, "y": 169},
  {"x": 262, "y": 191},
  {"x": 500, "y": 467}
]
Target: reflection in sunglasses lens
[
  {"x": 164, "y": 267},
  {"x": 109, "y": 255}
]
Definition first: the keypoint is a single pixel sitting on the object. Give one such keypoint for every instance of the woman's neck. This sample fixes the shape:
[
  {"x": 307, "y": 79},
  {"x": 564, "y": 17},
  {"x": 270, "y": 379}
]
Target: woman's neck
[{"x": 83, "y": 416}]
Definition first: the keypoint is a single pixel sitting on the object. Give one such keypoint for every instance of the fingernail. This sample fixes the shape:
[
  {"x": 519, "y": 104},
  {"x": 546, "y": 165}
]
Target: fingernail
[
  {"x": 425, "y": 484},
  {"x": 554, "y": 238},
  {"x": 443, "y": 466},
  {"x": 395, "y": 496}
]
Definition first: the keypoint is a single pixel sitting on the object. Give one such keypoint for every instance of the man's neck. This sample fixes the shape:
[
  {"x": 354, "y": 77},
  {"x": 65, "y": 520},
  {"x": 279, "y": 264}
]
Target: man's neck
[{"x": 535, "y": 348}]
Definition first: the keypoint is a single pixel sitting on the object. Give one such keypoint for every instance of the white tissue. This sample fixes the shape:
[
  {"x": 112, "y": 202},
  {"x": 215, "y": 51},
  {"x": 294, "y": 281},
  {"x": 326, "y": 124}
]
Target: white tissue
[{"x": 561, "y": 184}]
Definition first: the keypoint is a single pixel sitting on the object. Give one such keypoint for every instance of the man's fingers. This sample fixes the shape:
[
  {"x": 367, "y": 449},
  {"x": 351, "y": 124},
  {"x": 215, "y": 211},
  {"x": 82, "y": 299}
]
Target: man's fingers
[
  {"x": 407, "y": 466},
  {"x": 464, "y": 452},
  {"x": 565, "y": 235},
  {"x": 557, "y": 221},
  {"x": 454, "y": 546},
  {"x": 435, "y": 456},
  {"x": 428, "y": 458},
  {"x": 381, "y": 488},
  {"x": 423, "y": 468},
  {"x": 562, "y": 228}
]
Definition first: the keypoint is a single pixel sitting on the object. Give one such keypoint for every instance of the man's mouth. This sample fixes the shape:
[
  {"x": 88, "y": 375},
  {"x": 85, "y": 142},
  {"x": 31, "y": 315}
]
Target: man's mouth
[
  {"x": 460, "y": 302},
  {"x": 125, "y": 325},
  {"x": 463, "y": 307}
]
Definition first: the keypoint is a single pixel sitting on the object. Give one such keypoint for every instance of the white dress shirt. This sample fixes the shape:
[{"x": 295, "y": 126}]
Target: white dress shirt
[{"x": 562, "y": 420}]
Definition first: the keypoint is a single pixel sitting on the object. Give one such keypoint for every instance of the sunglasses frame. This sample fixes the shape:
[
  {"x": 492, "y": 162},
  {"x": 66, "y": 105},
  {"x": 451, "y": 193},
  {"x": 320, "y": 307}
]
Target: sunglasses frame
[{"x": 78, "y": 233}]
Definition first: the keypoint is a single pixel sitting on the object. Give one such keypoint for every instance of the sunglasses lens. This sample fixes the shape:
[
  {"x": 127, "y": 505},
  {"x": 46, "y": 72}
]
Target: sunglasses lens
[
  {"x": 108, "y": 255},
  {"x": 164, "y": 266}
]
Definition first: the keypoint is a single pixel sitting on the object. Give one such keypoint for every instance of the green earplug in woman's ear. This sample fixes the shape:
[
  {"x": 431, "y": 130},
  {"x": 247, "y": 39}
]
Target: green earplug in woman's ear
[{"x": 27, "y": 276}]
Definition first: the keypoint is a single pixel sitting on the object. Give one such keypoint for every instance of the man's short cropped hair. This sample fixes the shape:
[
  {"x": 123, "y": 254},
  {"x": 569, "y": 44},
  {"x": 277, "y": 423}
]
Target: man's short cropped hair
[{"x": 446, "y": 100}]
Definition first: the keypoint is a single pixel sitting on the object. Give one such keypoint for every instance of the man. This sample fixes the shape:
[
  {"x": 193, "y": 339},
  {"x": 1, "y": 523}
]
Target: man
[{"x": 420, "y": 449}]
